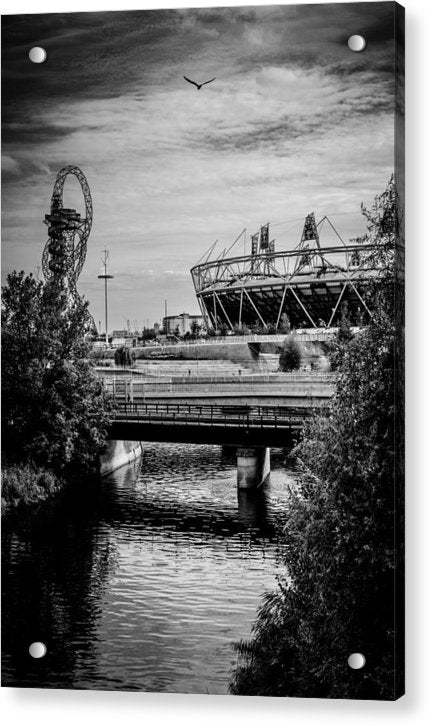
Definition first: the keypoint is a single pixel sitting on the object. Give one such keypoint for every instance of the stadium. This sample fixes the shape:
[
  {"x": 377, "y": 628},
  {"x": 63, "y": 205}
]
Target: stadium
[{"x": 310, "y": 284}]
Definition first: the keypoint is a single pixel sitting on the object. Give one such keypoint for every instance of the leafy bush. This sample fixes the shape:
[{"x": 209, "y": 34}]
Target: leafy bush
[
  {"x": 344, "y": 333},
  {"x": 55, "y": 411},
  {"x": 27, "y": 485},
  {"x": 124, "y": 357},
  {"x": 342, "y": 588},
  {"x": 284, "y": 324},
  {"x": 291, "y": 357},
  {"x": 343, "y": 337}
]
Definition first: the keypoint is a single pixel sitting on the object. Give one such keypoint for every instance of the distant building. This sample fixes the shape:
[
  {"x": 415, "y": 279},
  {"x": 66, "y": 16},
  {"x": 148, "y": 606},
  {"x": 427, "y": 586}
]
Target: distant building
[
  {"x": 182, "y": 323},
  {"x": 119, "y": 334},
  {"x": 117, "y": 341},
  {"x": 124, "y": 337}
]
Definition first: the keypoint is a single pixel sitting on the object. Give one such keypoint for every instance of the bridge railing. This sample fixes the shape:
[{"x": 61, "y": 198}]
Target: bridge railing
[
  {"x": 194, "y": 375},
  {"x": 144, "y": 392},
  {"x": 272, "y": 417}
]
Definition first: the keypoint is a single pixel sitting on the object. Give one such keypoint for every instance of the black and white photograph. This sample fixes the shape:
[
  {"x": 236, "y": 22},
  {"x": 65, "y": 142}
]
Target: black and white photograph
[{"x": 203, "y": 350}]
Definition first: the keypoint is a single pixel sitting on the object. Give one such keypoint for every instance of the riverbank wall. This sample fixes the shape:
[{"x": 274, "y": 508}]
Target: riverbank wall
[
  {"x": 118, "y": 454},
  {"x": 249, "y": 353}
]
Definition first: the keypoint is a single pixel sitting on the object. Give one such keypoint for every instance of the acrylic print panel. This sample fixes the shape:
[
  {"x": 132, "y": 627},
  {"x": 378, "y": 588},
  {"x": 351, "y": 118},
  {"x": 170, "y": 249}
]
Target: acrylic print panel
[{"x": 202, "y": 350}]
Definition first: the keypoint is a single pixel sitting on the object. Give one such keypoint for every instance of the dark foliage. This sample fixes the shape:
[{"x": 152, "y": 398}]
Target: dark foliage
[
  {"x": 26, "y": 485},
  {"x": 54, "y": 409},
  {"x": 124, "y": 356},
  {"x": 148, "y": 334},
  {"x": 342, "y": 591},
  {"x": 195, "y": 329},
  {"x": 344, "y": 333},
  {"x": 284, "y": 324},
  {"x": 291, "y": 357},
  {"x": 343, "y": 337}
]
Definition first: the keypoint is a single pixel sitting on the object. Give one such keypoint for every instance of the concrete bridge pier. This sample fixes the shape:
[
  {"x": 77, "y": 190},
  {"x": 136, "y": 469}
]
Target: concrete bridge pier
[{"x": 253, "y": 466}]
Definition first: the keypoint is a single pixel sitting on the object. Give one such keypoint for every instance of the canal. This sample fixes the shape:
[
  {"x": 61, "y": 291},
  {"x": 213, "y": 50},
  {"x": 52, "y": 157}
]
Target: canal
[{"x": 145, "y": 581}]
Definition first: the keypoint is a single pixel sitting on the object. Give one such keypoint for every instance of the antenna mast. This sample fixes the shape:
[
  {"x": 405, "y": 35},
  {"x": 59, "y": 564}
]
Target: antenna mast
[{"x": 106, "y": 277}]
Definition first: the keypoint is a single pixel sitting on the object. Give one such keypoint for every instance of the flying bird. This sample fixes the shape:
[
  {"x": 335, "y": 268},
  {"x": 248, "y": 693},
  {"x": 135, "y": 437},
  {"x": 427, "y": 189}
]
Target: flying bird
[{"x": 198, "y": 85}]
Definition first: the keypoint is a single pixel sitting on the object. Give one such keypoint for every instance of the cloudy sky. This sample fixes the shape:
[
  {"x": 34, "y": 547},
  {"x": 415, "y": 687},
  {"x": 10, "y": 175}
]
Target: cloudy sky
[{"x": 295, "y": 122}]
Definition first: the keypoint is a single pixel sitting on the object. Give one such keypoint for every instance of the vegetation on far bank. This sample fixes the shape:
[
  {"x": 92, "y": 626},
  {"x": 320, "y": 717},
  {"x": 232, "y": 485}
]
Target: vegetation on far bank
[
  {"x": 290, "y": 358},
  {"x": 54, "y": 409},
  {"x": 342, "y": 591},
  {"x": 26, "y": 485}
]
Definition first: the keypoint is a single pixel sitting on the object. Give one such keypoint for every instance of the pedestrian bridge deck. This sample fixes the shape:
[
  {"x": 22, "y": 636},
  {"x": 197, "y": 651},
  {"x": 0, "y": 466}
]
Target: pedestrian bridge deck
[{"x": 233, "y": 424}]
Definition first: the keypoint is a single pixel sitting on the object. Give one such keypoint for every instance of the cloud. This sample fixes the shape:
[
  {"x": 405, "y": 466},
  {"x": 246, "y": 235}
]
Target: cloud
[
  {"x": 293, "y": 122},
  {"x": 9, "y": 165}
]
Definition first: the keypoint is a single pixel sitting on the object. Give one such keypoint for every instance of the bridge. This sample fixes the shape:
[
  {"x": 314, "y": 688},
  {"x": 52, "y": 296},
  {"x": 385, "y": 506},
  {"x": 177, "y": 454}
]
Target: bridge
[
  {"x": 226, "y": 425},
  {"x": 251, "y": 429},
  {"x": 215, "y": 402}
]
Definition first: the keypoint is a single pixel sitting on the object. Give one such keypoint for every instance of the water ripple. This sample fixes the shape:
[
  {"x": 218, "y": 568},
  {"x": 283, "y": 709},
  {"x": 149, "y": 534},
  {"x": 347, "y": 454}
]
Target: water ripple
[{"x": 144, "y": 583}]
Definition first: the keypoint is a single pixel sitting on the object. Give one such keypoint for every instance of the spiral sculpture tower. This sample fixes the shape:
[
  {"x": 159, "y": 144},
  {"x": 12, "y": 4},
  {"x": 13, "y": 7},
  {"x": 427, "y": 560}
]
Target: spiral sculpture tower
[{"x": 65, "y": 251}]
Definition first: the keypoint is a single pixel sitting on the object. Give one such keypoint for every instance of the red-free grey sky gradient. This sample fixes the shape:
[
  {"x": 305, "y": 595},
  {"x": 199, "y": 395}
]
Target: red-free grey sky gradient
[{"x": 294, "y": 122}]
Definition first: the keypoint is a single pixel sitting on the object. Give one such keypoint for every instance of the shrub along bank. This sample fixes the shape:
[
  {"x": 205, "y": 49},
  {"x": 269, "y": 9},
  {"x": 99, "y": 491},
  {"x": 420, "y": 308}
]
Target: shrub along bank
[
  {"x": 54, "y": 409},
  {"x": 342, "y": 588}
]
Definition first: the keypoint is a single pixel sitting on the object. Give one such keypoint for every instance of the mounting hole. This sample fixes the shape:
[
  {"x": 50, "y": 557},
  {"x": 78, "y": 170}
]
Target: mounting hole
[
  {"x": 356, "y": 43},
  {"x": 37, "y": 650},
  {"x": 356, "y": 661},
  {"x": 37, "y": 55}
]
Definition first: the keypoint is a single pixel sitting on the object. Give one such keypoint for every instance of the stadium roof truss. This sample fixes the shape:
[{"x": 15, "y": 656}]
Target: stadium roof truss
[{"x": 309, "y": 283}]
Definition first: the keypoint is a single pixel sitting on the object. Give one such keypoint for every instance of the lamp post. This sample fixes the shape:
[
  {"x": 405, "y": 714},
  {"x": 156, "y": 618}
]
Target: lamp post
[{"x": 106, "y": 277}]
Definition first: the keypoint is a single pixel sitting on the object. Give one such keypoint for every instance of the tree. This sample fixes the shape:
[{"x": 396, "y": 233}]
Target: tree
[
  {"x": 124, "y": 356},
  {"x": 257, "y": 328},
  {"x": 195, "y": 329},
  {"x": 342, "y": 591},
  {"x": 284, "y": 324},
  {"x": 343, "y": 337},
  {"x": 148, "y": 334},
  {"x": 291, "y": 357},
  {"x": 344, "y": 333},
  {"x": 54, "y": 409}
]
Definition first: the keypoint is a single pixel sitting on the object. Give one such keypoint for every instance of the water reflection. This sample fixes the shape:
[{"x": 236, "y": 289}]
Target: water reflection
[
  {"x": 144, "y": 582},
  {"x": 53, "y": 574},
  {"x": 253, "y": 507}
]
